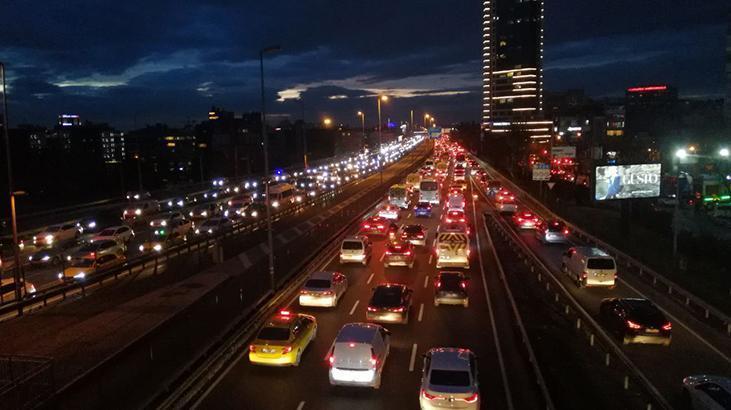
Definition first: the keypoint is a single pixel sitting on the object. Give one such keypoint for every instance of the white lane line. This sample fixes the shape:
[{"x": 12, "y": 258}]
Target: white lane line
[
  {"x": 383, "y": 255},
  {"x": 409, "y": 215},
  {"x": 430, "y": 258},
  {"x": 301, "y": 405},
  {"x": 421, "y": 311},
  {"x": 413, "y": 358},
  {"x": 434, "y": 242},
  {"x": 426, "y": 281},
  {"x": 355, "y": 305},
  {"x": 370, "y": 278},
  {"x": 676, "y": 320},
  {"x": 498, "y": 349}
]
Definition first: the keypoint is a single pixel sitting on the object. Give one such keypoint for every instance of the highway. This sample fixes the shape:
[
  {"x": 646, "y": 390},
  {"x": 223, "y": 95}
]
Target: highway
[
  {"x": 486, "y": 327},
  {"x": 695, "y": 348}
]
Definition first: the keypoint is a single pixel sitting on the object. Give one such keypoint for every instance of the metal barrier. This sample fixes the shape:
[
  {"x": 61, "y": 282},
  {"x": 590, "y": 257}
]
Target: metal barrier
[
  {"x": 25, "y": 382},
  {"x": 710, "y": 314}
]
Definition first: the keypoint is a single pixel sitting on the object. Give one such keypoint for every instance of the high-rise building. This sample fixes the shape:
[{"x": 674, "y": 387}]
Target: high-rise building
[{"x": 512, "y": 69}]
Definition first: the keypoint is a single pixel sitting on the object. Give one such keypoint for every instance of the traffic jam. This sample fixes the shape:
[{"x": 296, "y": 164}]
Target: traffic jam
[
  {"x": 74, "y": 250},
  {"x": 427, "y": 217}
]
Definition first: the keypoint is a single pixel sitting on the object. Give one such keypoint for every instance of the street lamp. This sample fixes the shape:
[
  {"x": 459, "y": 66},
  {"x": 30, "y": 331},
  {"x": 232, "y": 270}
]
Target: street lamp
[
  {"x": 327, "y": 122},
  {"x": 265, "y": 140},
  {"x": 426, "y": 118},
  {"x": 12, "y": 193},
  {"x": 361, "y": 114},
  {"x": 724, "y": 152},
  {"x": 380, "y": 98}
]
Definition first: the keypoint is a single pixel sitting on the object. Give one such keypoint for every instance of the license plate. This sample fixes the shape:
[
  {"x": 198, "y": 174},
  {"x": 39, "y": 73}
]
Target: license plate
[
  {"x": 652, "y": 330},
  {"x": 265, "y": 350}
]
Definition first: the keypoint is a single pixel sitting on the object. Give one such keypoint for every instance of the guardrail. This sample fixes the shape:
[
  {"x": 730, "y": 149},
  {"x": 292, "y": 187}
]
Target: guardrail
[
  {"x": 694, "y": 304},
  {"x": 138, "y": 264},
  {"x": 584, "y": 322}
]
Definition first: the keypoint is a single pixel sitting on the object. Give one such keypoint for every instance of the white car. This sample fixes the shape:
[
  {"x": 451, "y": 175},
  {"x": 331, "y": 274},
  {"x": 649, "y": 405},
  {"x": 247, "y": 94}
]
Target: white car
[
  {"x": 213, "y": 226},
  {"x": 389, "y": 212},
  {"x": 121, "y": 234},
  {"x": 56, "y": 234},
  {"x": 323, "y": 289},
  {"x": 356, "y": 249},
  {"x": 706, "y": 392},
  {"x": 449, "y": 380},
  {"x": 164, "y": 220},
  {"x": 358, "y": 355}
]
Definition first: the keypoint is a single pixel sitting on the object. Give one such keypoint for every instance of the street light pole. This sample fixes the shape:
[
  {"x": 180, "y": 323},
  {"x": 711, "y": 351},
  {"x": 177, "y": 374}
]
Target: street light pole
[
  {"x": 361, "y": 114},
  {"x": 304, "y": 137},
  {"x": 380, "y": 136},
  {"x": 265, "y": 140},
  {"x": 411, "y": 122},
  {"x": 11, "y": 192}
]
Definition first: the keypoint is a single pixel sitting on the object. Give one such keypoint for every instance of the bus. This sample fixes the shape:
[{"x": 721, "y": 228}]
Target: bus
[
  {"x": 398, "y": 196},
  {"x": 429, "y": 191}
]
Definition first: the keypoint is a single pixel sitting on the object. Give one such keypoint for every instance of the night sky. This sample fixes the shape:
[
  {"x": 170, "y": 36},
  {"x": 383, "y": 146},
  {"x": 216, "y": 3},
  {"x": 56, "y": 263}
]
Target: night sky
[{"x": 133, "y": 63}]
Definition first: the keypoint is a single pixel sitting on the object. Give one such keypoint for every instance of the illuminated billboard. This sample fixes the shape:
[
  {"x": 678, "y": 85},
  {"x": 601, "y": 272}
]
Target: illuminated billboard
[{"x": 627, "y": 181}]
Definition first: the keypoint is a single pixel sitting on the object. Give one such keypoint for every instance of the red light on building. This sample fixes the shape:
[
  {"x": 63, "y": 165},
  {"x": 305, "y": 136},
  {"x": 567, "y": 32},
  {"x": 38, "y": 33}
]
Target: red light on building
[{"x": 647, "y": 88}]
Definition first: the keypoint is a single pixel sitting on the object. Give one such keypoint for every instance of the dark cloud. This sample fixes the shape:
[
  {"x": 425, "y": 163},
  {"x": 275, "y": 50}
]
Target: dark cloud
[{"x": 168, "y": 60}]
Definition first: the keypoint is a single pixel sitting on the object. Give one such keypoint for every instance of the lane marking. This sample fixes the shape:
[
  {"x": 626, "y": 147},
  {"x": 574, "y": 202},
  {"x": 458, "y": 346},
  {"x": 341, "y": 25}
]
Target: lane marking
[
  {"x": 498, "y": 349},
  {"x": 434, "y": 242},
  {"x": 408, "y": 216},
  {"x": 421, "y": 311},
  {"x": 383, "y": 255},
  {"x": 426, "y": 281},
  {"x": 413, "y": 358},
  {"x": 355, "y": 305},
  {"x": 301, "y": 405},
  {"x": 370, "y": 278},
  {"x": 430, "y": 258}
]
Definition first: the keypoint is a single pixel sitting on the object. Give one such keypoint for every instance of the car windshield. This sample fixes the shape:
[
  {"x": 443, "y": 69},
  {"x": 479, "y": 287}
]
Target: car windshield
[
  {"x": 600, "y": 263},
  {"x": 274, "y": 333},
  {"x": 555, "y": 227},
  {"x": 82, "y": 263},
  {"x": 428, "y": 186},
  {"x": 449, "y": 377},
  {"x": 412, "y": 229},
  {"x": 107, "y": 232},
  {"x": 88, "y": 248},
  {"x": 318, "y": 284},
  {"x": 449, "y": 282},
  {"x": 352, "y": 245},
  {"x": 386, "y": 296},
  {"x": 397, "y": 248},
  {"x": 423, "y": 205}
]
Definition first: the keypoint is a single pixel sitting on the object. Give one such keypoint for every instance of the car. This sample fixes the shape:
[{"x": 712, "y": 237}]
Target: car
[
  {"x": 636, "y": 321},
  {"x": 390, "y": 302},
  {"x": 456, "y": 227},
  {"x": 422, "y": 210},
  {"x": 358, "y": 355},
  {"x": 282, "y": 339},
  {"x": 161, "y": 240},
  {"x": 399, "y": 254},
  {"x": 356, "y": 249},
  {"x": 455, "y": 215},
  {"x": 416, "y": 234},
  {"x": 97, "y": 248},
  {"x": 46, "y": 256},
  {"x": 389, "y": 211},
  {"x": 455, "y": 200},
  {"x": 7, "y": 290},
  {"x": 374, "y": 225},
  {"x": 449, "y": 379},
  {"x": 122, "y": 234},
  {"x": 506, "y": 205},
  {"x": 255, "y": 211},
  {"x": 164, "y": 220},
  {"x": 204, "y": 211},
  {"x": 504, "y": 194},
  {"x": 140, "y": 209},
  {"x": 392, "y": 230},
  {"x": 88, "y": 225},
  {"x": 138, "y": 195},
  {"x": 589, "y": 266},
  {"x": 526, "y": 220},
  {"x": 213, "y": 226},
  {"x": 181, "y": 227},
  {"x": 80, "y": 269},
  {"x": 450, "y": 288},
  {"x": 237, "y": 210},
  {"x": 57, "y": 234},
  {"x": 493, "y": 187},
  {"x": 706, "y": 392},
  {"x": 323, "y": 289},
  {"x": 552, "y": 231}
]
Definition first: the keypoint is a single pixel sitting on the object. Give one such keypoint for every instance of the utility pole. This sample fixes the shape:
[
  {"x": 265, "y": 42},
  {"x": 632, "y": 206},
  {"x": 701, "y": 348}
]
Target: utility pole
[{"x": 304, "y": 136}]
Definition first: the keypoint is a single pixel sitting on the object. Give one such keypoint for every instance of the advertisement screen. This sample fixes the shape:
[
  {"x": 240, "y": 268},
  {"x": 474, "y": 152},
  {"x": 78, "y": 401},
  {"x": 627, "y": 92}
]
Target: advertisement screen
[{"x": 627, "y": 181}]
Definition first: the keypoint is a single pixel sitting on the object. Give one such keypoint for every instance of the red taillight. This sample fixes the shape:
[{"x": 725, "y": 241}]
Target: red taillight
[
  {"x": 438, "y": 284},
  {"x": 633, "y": 325},
  {"x": 427, "y": 395},
  {"x": 565, "y": 231},
  {"x": 380, "y": 226},
  {"x": 407, "y": 253},
  {"x": 584, "y": 275},
  {"x": 398, "y": 309},
  {"x": 471, "y": 399},
  {"x": 286, "y": 349},
  {"x": 388, "y": 252},
  {"x": 463, "y": 284},
  {"x": 667, "y": 326},
  {"x": 366, "y": 226},
  {"x": 331, "y": 360},
  {"x": 374, "y": 361},
  {"x": 420, "y": 236},
  {"x": 252, "y": 348},
  {"x": 284, "y": 312},
  {"x": 371, "y": 309}
]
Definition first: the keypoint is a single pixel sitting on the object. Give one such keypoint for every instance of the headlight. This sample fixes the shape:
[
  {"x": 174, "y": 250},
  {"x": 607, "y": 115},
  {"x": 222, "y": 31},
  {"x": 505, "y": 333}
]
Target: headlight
[
  {"x": 45, "y": 258},
  {"x": 210, "y": 231},
  {"x": 197, "y": 231},
  {"x": 152, "y": 223},
  {"x": 164, "y": 223},
  {"x": 30, "y": 258},
  {"x": 254, "y": 214},
  {"x": 91, "y": 225},
  {"x": 49, "y": 239},
  {"x": 59, "y": 275},
  {"x": 190, "y": 214},
  {"x": 204, "y": 213},
  {"x": 275, "y": 204},
  {"x": 142, "y": 248},
  {"x": 80, "y": 275},
  {"x": 68, "y": 258},
  {"x": 157, "y": 247},
  {"x": 170, "y": 203},
  {"x": 138, "y": 212}
]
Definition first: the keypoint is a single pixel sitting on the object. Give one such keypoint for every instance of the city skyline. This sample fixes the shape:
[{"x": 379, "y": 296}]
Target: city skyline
[{"x": 180, "y": 60}]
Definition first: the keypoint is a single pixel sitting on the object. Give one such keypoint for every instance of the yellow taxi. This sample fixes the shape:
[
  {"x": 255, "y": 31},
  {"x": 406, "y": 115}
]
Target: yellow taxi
[{"x": 282, "y": 339}]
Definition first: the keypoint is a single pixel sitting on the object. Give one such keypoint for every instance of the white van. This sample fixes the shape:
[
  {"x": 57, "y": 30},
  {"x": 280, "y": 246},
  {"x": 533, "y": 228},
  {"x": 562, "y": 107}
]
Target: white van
[
  {"x": 398, "y": 196},
  {"x": 281, "y": 194},
  {"x": 412, "y": 181},
  {"x": 589, "y": 266},
  {"x": 358, "y": 355},
  {"x": 452, "y": 249},
  {"x": 429, "y": 191},
  {"x": 455, "y": 201}
]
